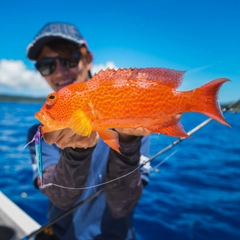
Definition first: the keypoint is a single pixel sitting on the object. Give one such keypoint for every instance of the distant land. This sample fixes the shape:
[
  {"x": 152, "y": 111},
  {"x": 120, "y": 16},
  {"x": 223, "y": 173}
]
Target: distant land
[
  {"x": 235, "y": 106},
  {"x": 12, "y": 98}
]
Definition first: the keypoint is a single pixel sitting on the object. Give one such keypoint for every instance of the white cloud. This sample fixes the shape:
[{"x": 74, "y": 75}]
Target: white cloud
[{"x": 15, "y": 78}]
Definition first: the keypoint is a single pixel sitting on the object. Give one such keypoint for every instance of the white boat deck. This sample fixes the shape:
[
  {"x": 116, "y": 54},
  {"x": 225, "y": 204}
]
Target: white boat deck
[{"x": 14, "y": 217}]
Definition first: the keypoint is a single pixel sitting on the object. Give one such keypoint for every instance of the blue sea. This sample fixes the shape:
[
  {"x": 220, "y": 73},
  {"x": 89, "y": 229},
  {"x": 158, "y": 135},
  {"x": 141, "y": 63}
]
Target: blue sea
[{"x": 196, "y": 194}]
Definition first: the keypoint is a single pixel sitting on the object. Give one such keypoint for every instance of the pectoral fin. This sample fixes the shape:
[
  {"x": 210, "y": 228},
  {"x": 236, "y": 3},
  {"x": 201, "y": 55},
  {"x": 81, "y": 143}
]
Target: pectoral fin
[
  {"x": 81, "y": 124},
  {"x": 110, "y": 137}
]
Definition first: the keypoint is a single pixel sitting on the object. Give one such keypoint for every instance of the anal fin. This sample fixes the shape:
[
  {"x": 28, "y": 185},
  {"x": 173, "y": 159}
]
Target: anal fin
[
  {"x": 175, "y": 131},
  {"x": 171, "y": 128}
]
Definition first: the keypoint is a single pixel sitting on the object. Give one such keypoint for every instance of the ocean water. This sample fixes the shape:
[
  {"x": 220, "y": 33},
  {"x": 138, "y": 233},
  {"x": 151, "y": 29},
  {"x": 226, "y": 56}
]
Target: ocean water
[{"x": 196, "y": 194}]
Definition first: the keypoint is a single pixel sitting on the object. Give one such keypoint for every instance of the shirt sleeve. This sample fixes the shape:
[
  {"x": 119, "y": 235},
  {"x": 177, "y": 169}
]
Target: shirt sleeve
[
  {"x": 68, "y": 167},
  {"x": 71, "y": 171},
  {"x": 123, "y": 194}
]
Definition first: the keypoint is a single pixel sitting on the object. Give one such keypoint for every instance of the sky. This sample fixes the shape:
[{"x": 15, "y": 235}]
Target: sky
[{"x": 199, "y": 37}]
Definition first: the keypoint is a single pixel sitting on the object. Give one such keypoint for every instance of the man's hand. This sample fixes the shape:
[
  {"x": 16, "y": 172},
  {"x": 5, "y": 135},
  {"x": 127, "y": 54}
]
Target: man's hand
[
  {"x": 68, "y": 138},
  {"x": 129, "y": 134}
]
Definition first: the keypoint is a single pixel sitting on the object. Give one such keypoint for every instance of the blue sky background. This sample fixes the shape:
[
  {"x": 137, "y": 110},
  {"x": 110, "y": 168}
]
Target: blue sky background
[{"x": 202, "y": 37}]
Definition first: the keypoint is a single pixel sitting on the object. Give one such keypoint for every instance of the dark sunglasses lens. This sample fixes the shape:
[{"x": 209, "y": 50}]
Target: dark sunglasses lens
[
  {"x": 46, "y": 66},
  {"x": 69, "y": 63}
]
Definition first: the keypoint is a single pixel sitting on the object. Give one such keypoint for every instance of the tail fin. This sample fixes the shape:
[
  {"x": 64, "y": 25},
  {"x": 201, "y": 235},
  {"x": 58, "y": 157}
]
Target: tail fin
[{"x": 206, "y": 100}]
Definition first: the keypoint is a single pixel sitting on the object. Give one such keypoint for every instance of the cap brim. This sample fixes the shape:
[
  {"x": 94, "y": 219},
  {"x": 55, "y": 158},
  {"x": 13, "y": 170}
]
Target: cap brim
[{"x": 35, "y": 47}]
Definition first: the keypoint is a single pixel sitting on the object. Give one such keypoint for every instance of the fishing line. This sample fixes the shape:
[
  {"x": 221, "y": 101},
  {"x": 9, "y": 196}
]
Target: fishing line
[
  {"x": 155, "y": 169},
  {"x": 89, "y": 187},
  {"x": 115, "y": 179}
]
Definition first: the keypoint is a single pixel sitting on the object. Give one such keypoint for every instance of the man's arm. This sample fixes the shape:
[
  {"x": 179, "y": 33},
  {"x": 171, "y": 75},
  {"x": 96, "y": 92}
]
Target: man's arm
[
  {"x": 68, "y": 167},
  {"x": 71, "y": 171},
  {"x": 122, "y": 195}
]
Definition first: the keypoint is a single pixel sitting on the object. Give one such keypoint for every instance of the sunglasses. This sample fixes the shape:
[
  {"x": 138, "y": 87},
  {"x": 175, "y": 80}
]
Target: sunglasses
[{"x": 47, "y": 66}]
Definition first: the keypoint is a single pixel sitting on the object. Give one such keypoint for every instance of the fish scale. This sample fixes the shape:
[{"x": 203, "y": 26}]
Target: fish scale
[{"x": 128, "y": 98}]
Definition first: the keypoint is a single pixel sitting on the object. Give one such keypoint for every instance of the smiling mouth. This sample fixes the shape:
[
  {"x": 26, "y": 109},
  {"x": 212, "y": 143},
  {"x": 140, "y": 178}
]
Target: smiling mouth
[{"x": 65, "y": 83}]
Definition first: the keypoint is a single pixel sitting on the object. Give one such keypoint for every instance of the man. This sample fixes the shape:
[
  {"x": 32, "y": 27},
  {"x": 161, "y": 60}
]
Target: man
[{"x": 70, "y": 160}]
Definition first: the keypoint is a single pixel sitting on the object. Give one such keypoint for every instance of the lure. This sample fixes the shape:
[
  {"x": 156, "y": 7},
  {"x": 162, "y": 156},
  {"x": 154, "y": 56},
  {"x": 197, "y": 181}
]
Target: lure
[{"x": 38, "y": 148}]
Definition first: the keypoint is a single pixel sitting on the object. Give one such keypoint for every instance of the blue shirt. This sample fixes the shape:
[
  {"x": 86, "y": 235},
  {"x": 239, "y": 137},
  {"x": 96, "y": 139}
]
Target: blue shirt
[{"x": 94, "y": 219}]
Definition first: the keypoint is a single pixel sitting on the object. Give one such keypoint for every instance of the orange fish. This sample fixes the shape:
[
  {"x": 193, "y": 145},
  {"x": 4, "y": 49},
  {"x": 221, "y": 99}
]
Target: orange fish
[{"x": 128, "y": 98}]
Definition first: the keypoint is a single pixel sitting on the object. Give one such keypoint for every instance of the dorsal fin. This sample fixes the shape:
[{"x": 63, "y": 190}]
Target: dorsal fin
[
  {"x": 168, "y": 77},
  {"x": 105, "y": 74}
]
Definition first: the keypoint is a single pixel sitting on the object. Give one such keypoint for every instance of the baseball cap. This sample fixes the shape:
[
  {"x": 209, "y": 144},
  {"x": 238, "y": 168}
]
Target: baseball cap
[{"x": 52, "y": 31}]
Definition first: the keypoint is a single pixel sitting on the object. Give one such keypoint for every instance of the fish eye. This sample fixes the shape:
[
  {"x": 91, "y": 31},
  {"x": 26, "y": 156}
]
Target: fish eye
[
  {"x": 51, "y": 96},
  {"x": 51, "y": 99}
]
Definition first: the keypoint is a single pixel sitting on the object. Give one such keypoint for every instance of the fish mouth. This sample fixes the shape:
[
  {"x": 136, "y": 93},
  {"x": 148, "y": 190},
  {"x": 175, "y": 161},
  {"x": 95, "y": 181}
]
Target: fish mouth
[
  {"x": 45, "y": 119},
  {"x": 48, "y": 122}
]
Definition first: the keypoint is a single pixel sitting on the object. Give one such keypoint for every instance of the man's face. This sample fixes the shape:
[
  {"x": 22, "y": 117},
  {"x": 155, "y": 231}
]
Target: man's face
[{"x": 63, "y": 76}]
